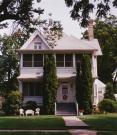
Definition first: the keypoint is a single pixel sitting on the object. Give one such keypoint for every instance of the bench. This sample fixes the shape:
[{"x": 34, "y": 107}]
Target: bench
[{"x": 29, "y": 112}]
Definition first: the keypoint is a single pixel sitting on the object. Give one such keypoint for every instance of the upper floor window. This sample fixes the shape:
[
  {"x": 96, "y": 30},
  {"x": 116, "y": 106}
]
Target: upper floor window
[
  {"x": 27, "y": 60},
  {"x": 32, "y": 60},
  {"x": 68, "y": 60},
  {"x": 37, "y": 45},
  {"x": 38, "y": 60},
  {"x": 60, "y": 60}
]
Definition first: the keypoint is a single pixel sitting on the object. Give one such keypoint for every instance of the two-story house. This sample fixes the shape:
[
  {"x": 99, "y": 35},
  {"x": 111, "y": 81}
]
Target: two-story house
[{"x": 66, "y": 53}]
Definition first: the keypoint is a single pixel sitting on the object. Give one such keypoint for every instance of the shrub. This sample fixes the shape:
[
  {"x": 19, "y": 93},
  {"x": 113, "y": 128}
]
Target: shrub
[
  {"x": 108, "y": 105},
  {"x": 12, "y": 103},
  {"x": 109, "y": 93},
  {"x": 31, "y": 105}
]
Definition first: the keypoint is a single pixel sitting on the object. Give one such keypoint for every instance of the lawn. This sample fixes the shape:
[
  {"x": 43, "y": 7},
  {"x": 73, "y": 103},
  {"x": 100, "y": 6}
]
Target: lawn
[
  {"x": 32, "y": 122},
  {"x": 107, "y": 133},
  {"x": 35, "y": 133},
  {"x": 101, "y": 122}
]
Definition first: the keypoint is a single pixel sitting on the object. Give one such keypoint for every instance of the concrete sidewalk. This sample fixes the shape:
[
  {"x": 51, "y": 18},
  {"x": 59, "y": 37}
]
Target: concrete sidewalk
[
  {"x": 73, "y": 121},
  {"x": 82, "y": 132}
]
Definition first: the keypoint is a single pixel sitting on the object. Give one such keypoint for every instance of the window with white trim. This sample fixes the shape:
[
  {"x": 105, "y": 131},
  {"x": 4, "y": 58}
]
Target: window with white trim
[
  {"x": 64, "y": 89},
  {"x": 27, "y": 60},
  {"x": 37, "y": 45},
  {"x": 32, "y": 88}
]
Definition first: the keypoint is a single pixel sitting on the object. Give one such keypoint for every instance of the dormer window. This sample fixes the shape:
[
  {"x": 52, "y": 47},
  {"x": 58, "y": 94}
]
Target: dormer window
[{"x": 37, "y": 45}]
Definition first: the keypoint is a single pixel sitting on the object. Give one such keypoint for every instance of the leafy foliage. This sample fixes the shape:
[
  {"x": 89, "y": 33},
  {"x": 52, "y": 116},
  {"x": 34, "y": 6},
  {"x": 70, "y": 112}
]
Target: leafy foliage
[
  {"x": 21, "y": 11},
  {"x": 109, "y": 93},
  {"x": 84, "y": 84},
  {"x": 12, "y": 103},
  {"x": 82, "y": 8},
  {"x": 8, "y": 63},
  {"x": 30, "y": 105},
  {"x": 106, "y": 33},
  {"x": 108, "y": 105},
  {"x": 50, "y": 84}
]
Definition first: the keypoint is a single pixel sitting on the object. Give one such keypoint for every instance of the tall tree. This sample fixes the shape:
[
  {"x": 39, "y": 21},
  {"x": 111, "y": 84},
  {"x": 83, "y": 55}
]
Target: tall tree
[
  {"x": 50, "y": 84},
  {"x": 8, "y": 63},
  {"x": 21, "y": 11},
  {"x": 81, "y": 9},
  {"x": 52, "y": 31},
  {"x": 84, "y": 85},
  {"x": 106, "y": 33}
]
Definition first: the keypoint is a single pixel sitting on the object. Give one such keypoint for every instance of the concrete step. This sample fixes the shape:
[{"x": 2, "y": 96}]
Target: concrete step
[{"x": 66, "y": 109}]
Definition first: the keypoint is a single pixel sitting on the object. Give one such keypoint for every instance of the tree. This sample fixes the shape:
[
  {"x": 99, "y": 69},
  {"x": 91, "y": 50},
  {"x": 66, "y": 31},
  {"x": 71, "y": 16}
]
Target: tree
[
  {"x": 52, "y": 31},
  {"x": 81, "y": 9},
  {"x": 106, "y": 33},
  {"x": 12, "y": 103},
  {"x": 21, "y": 11},
  {"x": 109, "y": 93},
  {"x": 84, "y": 85},
  {"x": 8, "y": 64},
  {"x": 50, "y": 84}
]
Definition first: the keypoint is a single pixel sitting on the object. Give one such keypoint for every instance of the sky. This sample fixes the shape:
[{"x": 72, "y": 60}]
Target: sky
[{"x": 60, "y": 13}]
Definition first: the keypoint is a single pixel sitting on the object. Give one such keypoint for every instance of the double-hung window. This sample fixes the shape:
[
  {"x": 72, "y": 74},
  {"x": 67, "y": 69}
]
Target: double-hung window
[
  {"x": 60, "y": 60},
  {"x": 27, "y": 60},
  {"x": 38, "y": 60},
  {"x": 68, "y": 60}
]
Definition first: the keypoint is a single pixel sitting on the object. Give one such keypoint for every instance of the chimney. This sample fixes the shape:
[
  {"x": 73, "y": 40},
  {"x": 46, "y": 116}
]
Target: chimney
[{"x": 90, "y": 29}]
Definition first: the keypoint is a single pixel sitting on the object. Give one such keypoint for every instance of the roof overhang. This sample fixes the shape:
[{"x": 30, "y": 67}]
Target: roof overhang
[
  {"x": 57, "y": 51},
  {"x": 40, "y": 76},
  {"x": 29, "y": 77}
]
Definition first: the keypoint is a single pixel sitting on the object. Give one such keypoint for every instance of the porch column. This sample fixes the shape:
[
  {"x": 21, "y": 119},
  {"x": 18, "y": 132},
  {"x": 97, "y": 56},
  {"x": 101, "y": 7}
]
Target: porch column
[{"x": 74, "y": 64}]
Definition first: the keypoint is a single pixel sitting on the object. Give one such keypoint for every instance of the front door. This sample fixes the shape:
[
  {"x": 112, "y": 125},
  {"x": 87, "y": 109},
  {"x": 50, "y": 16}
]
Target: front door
[{"x": 65, "y": 89}]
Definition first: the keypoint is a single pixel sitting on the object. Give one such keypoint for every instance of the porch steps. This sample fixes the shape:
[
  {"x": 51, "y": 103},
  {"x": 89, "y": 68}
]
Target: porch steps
[{"x": 66, "y": 109}]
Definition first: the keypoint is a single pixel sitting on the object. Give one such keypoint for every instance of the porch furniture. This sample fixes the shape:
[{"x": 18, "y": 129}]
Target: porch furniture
[
  {"x": 21, "y": 112},
  {"x": 37, "y": 111},
  {"x": 29, "y": 112}
]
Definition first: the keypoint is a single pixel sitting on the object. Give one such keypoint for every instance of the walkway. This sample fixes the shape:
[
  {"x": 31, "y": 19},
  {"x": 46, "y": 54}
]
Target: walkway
[{"x": 72, "y": 122}]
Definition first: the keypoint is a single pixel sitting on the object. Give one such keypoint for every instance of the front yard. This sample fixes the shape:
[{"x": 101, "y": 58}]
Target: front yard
[
  {"x": 30, "y": 122},
  {"x": 101, "y": 122},
  {"x": 104, "y": 124}
]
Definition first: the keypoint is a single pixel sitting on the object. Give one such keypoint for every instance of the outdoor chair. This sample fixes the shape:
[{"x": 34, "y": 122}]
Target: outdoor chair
[
  {"x": 21, "y": 112},
  {"x": 37, "y": 111}
]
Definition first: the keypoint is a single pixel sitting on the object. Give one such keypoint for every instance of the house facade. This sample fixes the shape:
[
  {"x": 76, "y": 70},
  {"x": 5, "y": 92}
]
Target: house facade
[{"x": 67, "y": 55}]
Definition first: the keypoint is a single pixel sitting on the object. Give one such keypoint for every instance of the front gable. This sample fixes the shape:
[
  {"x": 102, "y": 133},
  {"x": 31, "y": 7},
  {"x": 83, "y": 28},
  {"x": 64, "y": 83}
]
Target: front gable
[{"x": 36, "y": 42}]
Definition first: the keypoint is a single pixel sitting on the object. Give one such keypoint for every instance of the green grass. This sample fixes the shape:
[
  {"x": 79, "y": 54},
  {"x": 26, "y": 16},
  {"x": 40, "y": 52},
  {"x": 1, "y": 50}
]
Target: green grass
[
  {"x": 101, "y": 122},
  {"x": 107, "y": 133},
  {"x": 32, "y": 122},
  {"x": 35, "y": 133}
]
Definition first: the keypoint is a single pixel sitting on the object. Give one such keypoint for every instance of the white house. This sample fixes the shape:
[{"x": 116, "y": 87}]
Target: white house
[{"x": 66, "y": 53}]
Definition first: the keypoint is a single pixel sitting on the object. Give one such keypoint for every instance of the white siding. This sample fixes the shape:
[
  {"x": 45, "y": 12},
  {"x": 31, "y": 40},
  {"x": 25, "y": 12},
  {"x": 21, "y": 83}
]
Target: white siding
[
  {"x": 94, "y": 66},
  {"x": 36, "y": 39}
]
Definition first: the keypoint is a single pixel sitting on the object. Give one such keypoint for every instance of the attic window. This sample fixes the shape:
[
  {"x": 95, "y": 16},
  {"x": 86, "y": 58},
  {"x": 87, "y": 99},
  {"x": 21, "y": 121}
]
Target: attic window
[{"x": 37, "y": 45}]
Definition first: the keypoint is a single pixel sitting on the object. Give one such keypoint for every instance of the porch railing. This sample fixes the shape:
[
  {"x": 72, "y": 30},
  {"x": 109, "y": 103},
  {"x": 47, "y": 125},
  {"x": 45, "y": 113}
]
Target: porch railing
[
  {"x": 55, "y": 108},
  {"x": 77, "y": 111}
]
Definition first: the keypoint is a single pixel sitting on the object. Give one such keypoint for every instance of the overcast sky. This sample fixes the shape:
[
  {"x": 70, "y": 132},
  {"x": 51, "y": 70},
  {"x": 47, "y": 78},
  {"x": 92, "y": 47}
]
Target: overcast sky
[{"x": 60, "y": 12}]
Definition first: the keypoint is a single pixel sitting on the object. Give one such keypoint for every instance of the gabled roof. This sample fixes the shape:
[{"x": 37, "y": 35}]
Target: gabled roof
[
  {"x": 67, "y": 43},
  {"x": 73, "y": 43},
  {"x": 36, "y": 33}
]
